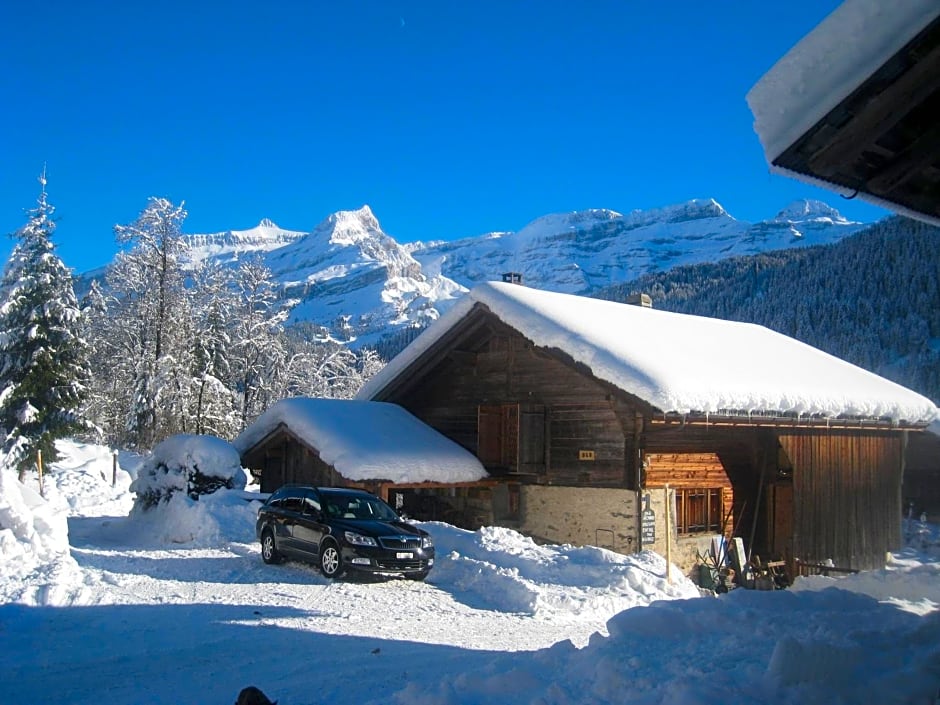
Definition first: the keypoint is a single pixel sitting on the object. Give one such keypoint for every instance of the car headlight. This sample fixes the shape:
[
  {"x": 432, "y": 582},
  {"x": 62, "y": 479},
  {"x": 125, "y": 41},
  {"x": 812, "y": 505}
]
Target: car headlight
[
  {"x": 426, "y": 542},
  {"x": 358, "y": 539}
]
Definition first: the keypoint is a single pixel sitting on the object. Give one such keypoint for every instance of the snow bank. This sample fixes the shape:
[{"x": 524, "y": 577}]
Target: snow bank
[
  {"x": 745, "y": 647},
  {"x": 498, "y": 568},
  {"x": 214, "y": 520},
  {"x": 31, "y": 530},
  {"x": 36, "y": 566},
  {"x": 907, "y": 582}
]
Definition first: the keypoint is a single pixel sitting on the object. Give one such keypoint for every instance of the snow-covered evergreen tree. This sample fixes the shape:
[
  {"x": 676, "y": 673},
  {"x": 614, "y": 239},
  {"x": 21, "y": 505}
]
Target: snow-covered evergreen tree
[{"x": 43, "y": 359}]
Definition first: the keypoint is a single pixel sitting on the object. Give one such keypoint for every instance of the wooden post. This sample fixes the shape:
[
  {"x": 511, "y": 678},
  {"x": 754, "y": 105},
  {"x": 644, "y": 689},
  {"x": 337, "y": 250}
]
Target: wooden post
[
  {"x": 637, "y": 453},
  {"x": 114, "y": 467},
  {"x": 762, "y": 459},
  {"x": 39, "y": 466},
  {"x": 666, "y": 516}
]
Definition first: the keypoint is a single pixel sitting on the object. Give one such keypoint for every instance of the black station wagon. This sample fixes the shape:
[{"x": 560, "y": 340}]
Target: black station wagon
[{"x": 341, "y": 530}]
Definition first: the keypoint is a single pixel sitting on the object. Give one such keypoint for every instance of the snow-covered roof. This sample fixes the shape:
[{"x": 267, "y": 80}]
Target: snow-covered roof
[
  {"x": 680, "y": 363},
  {"x": 367, "y": 440},
  {"x": 825, "y": 67}
]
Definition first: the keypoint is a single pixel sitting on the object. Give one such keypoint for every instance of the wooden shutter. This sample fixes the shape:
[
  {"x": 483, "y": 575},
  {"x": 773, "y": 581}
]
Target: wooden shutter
[
  {"x": 489, "y": 435},
  {"x": 532, "y": 440}
]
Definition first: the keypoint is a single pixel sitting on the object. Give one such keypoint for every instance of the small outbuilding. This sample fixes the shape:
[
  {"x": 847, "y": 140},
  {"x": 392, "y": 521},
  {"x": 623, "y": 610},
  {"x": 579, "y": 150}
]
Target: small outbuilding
[
  {"x": 602, "y": 420},
  {"x": 372, "y": 445}
]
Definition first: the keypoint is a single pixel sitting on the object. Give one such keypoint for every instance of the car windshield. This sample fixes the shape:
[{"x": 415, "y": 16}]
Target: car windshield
[{"x": 357, "y": 507}]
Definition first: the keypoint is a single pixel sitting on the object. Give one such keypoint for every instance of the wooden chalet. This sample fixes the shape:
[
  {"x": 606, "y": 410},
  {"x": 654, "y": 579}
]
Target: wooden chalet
[
  {"x": 852, "y": 107},
  {"x": 370, "y": 445},
  {"x": 588, "y": 410}
]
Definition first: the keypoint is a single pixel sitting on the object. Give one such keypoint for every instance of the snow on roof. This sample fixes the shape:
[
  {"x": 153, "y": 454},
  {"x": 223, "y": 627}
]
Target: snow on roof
[
  {"x": 367, "y": 440},
  {"x": 829, "y": 63},
  {"x": 681, "y": 363}
]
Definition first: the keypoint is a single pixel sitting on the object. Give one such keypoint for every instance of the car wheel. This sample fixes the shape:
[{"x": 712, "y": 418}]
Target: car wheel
[
  {"x": 331, "y": 563},
  {"x": 269, "y": 552},
  {"x": 417, "y": 576}
]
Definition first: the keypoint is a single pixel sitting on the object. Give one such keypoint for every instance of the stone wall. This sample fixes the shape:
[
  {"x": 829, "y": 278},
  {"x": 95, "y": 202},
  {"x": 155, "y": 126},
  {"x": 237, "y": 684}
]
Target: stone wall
[{"x": 580, "y": 516}]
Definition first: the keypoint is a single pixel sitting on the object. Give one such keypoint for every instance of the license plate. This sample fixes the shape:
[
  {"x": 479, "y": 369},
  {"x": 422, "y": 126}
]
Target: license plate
[{"x": 404, "y": 554}]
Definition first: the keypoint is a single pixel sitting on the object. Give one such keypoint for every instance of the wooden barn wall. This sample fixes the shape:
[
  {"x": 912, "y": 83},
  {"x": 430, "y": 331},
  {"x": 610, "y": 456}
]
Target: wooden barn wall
[
  {"x": 921, "y": 489},
  {"x": 847, "y": 503},
  {"x": 283, "y": 460},
  {"x": 570, "y": 410}
]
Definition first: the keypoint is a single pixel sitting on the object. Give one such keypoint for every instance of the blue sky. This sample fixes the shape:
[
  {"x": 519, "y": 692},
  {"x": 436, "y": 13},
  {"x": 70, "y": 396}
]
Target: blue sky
[{"x": 450, "y": 119}]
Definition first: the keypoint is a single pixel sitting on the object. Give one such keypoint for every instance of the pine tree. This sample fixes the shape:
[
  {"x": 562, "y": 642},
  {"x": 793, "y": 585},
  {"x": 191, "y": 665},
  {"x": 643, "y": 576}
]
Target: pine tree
[{"x": 43, "y": 360}]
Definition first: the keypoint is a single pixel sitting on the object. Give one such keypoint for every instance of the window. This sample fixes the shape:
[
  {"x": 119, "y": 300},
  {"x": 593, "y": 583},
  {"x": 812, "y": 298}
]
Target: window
[
  {"x": 311, "y": 505},
  {"x": 698, "y": 511},
  {"x": 293, "y": 503}
]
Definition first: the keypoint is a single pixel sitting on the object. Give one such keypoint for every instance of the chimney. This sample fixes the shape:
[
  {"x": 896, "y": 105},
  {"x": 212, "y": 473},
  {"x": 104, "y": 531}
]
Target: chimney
[
  {"x": 642, "y": 300},
  {"x": 512, "y": 277}
]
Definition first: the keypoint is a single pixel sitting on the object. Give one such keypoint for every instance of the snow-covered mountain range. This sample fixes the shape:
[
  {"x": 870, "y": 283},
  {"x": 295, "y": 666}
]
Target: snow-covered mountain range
[{"x": 357, "y": 282}]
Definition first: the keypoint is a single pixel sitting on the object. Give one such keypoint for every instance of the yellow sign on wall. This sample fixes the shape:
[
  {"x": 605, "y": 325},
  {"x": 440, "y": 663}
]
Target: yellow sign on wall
[{"x": 585, "y": 455}]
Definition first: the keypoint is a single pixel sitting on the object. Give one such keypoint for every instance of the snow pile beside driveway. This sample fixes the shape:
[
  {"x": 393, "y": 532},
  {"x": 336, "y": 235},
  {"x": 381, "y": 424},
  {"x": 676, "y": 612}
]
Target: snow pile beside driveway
[
  {"x": 214, "y": 520},
  {"x": 32, "y": 532},
  {"x": 909, "y": 583},
  {"x": 498, "y": 568}
]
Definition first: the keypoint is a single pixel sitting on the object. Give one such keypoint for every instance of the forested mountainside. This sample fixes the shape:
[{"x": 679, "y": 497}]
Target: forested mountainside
[{"x": 872, "y": 299}]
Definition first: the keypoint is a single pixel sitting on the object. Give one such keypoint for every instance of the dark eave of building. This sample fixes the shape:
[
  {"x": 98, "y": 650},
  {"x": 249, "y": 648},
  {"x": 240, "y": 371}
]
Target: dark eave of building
[{"x": 882, "y": 142}]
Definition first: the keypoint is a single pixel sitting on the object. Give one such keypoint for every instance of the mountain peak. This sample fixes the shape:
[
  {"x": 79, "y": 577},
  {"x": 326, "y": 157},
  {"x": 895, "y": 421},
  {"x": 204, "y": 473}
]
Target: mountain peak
[
  {"x": 805, "y": 209},
  {"x": 561, "y": 222},
  {"x": 692, "y": 210},
  {"x": 268, "y": 223},
  {"x": 348, "y": 227}
]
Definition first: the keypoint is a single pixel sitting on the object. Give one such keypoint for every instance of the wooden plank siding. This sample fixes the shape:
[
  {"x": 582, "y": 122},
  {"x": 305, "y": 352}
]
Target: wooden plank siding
[
  {"x": 685, "y": 470},
  {"x": 283, "y": 459},
  {"x": 921, "y": 489},
  {"x": 847, "y": 503},
  {"x": 560, "y": 411}
]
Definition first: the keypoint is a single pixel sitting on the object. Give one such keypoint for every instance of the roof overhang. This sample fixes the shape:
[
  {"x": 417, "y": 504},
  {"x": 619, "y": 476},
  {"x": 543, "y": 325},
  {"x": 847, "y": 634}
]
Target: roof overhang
[
  {"x": 852, "y": 107},
  {"x": 782, "y": 421}
]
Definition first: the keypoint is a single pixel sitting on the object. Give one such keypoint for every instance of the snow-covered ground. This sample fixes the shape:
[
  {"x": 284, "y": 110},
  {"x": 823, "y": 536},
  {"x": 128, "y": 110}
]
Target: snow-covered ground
[{"x": 101, "y": 605}]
